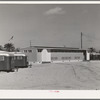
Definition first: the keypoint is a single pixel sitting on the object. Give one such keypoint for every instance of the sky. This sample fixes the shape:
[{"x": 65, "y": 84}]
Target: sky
[{"x": 50, "y": 25}]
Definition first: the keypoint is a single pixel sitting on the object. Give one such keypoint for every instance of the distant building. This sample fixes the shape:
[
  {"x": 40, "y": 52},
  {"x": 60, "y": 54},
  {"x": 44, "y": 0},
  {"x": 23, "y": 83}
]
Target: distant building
[{"x": 43, "y": 54}]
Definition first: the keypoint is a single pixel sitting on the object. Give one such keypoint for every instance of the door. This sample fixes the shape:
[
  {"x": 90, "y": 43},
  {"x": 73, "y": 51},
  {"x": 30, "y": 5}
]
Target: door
[{"x": 11, "y": 62}]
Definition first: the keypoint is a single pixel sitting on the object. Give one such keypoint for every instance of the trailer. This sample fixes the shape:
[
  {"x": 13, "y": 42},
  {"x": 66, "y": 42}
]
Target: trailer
[
  {"x": 20, "y": 60},
  {"x": 6, "y": 61},
  {"x": 95, "y": 56}
]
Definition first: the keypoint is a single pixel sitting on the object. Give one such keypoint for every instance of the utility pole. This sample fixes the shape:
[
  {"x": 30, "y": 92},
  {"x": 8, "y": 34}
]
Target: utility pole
[
  {"x": 81, "y": 40},
  {"x": 30, "y": 43}
]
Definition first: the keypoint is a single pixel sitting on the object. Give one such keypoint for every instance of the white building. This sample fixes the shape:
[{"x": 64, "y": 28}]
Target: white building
[{"x": 43, "y": 54}]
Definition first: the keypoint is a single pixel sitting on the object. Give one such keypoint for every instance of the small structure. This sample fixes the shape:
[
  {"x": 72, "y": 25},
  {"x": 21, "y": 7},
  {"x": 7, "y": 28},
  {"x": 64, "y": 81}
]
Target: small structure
[
  {"x": 20, "y": 60},
  {"x": 6, "y": 61},
  {"x": 88, "y": 56},
  {"x": 9, "y": 61},
  {"x": 94, "y": 56},
  {"x": 44, "y": 54}
]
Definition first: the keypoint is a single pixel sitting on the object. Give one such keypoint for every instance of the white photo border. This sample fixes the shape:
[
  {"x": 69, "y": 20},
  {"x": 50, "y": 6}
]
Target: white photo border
[{"x": 50, "y": 94}]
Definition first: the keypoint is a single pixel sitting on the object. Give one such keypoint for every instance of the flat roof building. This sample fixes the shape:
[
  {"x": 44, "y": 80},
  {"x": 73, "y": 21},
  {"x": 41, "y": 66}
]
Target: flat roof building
[{"x": 43, "y": 54}]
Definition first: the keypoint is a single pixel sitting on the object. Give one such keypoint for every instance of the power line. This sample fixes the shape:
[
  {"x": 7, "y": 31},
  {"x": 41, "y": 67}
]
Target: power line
[{"x": 91, "y": 37}]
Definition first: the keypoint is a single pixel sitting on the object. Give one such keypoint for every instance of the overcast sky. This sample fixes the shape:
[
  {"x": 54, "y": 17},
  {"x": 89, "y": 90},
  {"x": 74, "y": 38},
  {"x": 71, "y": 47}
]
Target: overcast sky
[{"x": 50, "y": 25}]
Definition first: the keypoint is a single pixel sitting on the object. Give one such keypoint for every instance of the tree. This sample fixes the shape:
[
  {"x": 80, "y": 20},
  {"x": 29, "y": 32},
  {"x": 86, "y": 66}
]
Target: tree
[
  {"x": 17, "y": 49},
  {"x": 9, "y": 47},
  {"x": 2, "y": 48},
  {"x": 92, "y": 49}
]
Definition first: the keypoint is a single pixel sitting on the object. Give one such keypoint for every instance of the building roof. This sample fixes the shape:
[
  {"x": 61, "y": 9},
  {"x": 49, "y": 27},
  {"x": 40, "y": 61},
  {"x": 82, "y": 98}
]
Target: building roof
[
  {"x": 54, "y": 47},
  {"x": 50, "y": 47},
  {"x": 6, "y": 53}
]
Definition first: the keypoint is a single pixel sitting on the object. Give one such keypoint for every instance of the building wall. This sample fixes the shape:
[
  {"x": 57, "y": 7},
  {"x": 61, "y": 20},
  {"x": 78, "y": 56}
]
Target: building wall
[
  {"x": 68, "y": 56},
  {"x": 48, "y": 56},
  {"x": 31, "y": 54},
  {"x": 39, "y": 57}
]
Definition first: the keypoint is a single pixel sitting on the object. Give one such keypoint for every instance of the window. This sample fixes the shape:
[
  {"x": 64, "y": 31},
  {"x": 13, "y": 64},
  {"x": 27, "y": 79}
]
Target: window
[
  {"x": 29, "y": 51},
  {"x": 15, "y": 58},
  {"x": 25, "y": 51},
  {"x": 1, "y": 58},
  {"x": 54, "y": 58},
  {"x": 77, "y": 57},
  {"x": 12, "y": 58},
  {"x": 19, "y": 57},
  {"x": 60, "y": 50},
  {"x": 65, "y": 58},
  {"x": 39, "y": 50}
]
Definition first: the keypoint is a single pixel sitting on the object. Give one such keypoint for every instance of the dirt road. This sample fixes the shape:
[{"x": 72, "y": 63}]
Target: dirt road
[{"x": 61, "y": 76}]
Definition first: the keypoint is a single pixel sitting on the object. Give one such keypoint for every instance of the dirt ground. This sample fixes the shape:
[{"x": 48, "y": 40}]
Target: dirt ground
[{"x": 59, "y": 76}]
